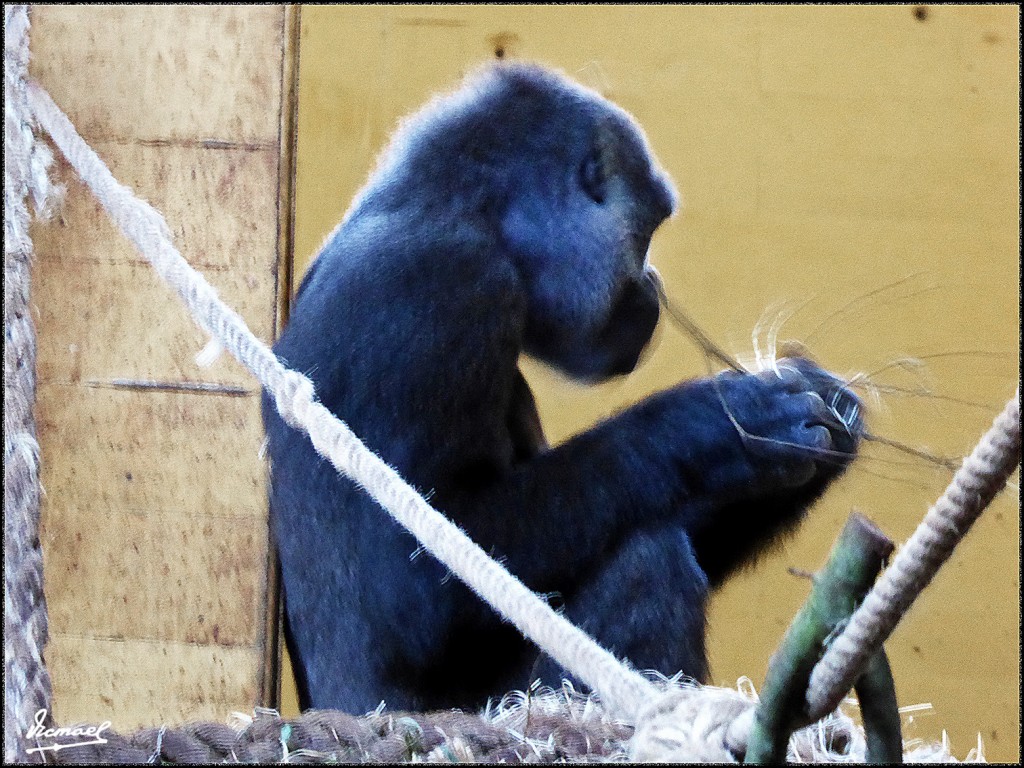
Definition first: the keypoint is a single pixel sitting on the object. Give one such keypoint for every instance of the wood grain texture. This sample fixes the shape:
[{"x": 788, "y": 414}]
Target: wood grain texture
[
  {"x": 154, "y": 519},
  {"x": 151, "y": 451},
  {"x": 121, "y": 321},
  {"x": 135, "y": 577},
  {"x": 100, "y": 680},
  {"x": 166, "y": 73}
]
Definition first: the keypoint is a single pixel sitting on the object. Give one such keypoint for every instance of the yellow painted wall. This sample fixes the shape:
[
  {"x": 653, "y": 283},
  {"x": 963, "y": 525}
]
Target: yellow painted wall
[{"x": 822, "y": 153}]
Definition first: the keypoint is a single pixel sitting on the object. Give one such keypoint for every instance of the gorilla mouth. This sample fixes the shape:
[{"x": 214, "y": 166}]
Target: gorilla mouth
[{"x": 630, "y": 325}]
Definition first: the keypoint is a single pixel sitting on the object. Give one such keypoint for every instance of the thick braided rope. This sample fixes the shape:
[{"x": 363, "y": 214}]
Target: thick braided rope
[
  {"x": 687, "y": 725},
  {"x": 983, "y": 474},
  {"x": 535, "y": 731},
  {"x": 622, "y": 689},
  {"x": 26, "y": 681}
]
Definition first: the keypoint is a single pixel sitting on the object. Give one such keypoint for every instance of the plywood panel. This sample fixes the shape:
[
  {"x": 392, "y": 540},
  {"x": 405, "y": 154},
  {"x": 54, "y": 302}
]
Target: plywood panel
[
  {"x": 154, "y": 520},
  {"x": 100, "y": 680},
  {"x": 121, "y": 322},
  {"x": 142, "y": 452},
  {"x": 165, "y": 73},
  {"x": 821, "y": 153},
  {"x": 124, "y": 323},
  {"x": 135, "y": 576}
]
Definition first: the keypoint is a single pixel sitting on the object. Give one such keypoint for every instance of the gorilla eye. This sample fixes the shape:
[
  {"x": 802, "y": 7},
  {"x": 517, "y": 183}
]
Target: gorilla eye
[{"x": 594, "y": 177}]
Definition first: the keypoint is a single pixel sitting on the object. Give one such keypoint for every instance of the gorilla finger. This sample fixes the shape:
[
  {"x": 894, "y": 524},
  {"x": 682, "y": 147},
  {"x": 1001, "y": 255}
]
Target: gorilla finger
[
  {"x": 816, "y": 438},
  {"x": 817, "y": 378},
  {"x": 786, "y": 377},
  {"x": 820, "y": 413},
  {"x": 806, "y": 408},
  {"x": 730, "y": 375}
]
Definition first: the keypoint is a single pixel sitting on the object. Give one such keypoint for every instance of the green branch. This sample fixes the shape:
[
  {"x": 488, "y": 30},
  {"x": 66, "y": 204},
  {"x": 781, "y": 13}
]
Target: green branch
[{"x": 856, "y": 559}]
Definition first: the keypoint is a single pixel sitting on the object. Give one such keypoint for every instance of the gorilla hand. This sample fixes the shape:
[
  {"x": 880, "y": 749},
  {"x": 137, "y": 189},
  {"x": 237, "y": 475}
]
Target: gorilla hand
[
  {"x": 794, "y": 429},
  {"x": 796, "y": 421}
]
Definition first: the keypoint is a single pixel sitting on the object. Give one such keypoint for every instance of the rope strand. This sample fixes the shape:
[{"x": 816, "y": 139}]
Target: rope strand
[
  {"x": 983, "y": 474},
  {"x": 27, "y": 686}
]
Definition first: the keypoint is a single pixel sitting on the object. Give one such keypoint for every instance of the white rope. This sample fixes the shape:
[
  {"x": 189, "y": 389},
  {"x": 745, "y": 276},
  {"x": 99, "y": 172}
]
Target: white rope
[
  {"x": 623, "y": 690},
  {"x": 983, "y": 474}
]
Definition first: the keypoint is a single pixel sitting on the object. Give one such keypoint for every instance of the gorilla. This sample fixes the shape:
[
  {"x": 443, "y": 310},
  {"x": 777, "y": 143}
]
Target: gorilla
[{"x": 513, "y": 216}]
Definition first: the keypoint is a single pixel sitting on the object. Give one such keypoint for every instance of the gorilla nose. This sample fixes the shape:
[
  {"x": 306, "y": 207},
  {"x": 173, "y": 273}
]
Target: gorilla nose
[{"x": 624, "y": 363}]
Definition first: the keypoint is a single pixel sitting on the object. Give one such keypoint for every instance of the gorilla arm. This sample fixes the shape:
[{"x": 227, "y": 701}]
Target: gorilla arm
[{"x": 736, "y": 459}]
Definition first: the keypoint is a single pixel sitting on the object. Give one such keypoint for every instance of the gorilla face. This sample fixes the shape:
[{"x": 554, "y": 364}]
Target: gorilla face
[{"x": 592, "y": 296}]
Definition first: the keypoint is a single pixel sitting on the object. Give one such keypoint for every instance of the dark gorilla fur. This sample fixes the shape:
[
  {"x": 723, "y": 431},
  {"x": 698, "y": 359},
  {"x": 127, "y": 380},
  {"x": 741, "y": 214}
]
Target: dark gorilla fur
[{"x": 514, "y": 216}]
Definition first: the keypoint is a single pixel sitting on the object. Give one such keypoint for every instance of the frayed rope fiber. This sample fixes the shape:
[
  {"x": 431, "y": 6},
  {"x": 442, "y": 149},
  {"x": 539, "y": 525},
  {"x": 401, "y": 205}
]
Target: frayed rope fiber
[
  {"x": 689, "y": 725},
  {"x": 324, "y": 736}
]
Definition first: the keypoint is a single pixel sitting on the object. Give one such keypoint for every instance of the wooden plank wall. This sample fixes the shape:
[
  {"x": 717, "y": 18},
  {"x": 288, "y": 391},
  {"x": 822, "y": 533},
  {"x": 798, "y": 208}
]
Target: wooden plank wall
[{"x": 154, "y": 520}]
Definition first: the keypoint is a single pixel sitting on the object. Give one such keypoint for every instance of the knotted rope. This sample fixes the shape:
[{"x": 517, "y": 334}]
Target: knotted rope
[{"x": 983, "y": 474}]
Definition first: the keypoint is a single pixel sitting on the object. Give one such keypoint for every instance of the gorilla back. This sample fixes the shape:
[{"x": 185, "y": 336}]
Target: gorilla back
[{"x": 514, "y": 216}]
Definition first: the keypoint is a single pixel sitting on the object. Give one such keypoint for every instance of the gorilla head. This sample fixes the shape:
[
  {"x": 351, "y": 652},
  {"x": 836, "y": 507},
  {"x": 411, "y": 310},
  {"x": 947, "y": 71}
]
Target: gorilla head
[{"x": 568, "y": 186}]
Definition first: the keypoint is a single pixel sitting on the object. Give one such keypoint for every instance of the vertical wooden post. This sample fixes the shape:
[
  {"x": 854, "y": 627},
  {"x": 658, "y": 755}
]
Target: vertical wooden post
[
  {"x": 270, "y": 693},
  {"x": 154, "y": 521}
]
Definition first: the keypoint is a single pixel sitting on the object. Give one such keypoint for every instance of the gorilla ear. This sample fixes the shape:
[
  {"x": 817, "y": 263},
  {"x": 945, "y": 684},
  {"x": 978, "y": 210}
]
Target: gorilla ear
[{"x": 594, "y": 175}]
